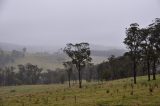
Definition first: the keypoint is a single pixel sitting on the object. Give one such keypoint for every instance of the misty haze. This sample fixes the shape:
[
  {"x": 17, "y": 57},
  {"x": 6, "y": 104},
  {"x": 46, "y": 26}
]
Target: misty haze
[{"x": 79, "y": 52}]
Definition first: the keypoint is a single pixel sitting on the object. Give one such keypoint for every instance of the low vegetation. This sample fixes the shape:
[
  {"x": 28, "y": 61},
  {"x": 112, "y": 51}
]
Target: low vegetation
[{"x": 118, "y": 92}]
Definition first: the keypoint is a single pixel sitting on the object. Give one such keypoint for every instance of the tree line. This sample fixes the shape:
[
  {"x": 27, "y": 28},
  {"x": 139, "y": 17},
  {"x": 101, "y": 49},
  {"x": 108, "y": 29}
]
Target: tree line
[
  {"x": 142, "y": 58},
  {"x": 143, "y": 54},
  {"x": 144, "y": 46},
  {"x": 30, "y": 74}
]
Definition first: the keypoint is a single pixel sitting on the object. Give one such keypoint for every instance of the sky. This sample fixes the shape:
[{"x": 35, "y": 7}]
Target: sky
[{"x": 57, "y": 22}]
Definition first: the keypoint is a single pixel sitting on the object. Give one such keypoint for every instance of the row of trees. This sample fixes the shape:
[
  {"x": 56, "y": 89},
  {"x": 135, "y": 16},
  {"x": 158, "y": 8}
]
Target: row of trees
[
  {"x": 144, "y": 54},
  {"x": 114, "y": 68},
  {"x": 118, "y": 67},
  {"x": 30, "y": 74},
  {"x": 144, "y": 46}
]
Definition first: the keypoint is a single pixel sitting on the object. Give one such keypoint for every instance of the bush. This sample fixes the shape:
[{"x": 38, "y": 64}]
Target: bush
[
  {"x": 12, "y": 91},
  {"x": 107, "y": 91}
]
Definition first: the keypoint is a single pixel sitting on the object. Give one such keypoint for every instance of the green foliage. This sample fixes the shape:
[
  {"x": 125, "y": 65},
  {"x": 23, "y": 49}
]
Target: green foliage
[
  {"x": 115, "y": 68},
  {"x": 133, "y": 41},
  {"x": 80, "y": 55},
  {"x": 143, "y": 45},
  {"x": 29, "y": 74}
]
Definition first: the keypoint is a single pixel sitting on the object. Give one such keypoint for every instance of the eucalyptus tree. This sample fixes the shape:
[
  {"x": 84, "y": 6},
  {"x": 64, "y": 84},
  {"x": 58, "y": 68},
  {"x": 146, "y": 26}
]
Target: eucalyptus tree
[
  {"x": 146, "y": 49},
  {"x": 133, "y": 41},
  {"x": 69, "y": 66},
  {"x": 155, "y": 43},
  {"x": 80, "y": 55}
]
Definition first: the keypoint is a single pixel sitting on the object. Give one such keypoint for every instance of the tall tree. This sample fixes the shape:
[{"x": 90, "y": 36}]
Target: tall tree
[
  {"x": 155, "y": 43},
  {"x": 146, "y": 48},
  {"x": 132, "y": 41},
  {"x": 80, "y": 55},
  {"x": 69, "y": 66}
]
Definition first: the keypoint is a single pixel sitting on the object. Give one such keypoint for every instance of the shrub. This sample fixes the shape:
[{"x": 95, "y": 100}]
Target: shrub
[
  {"x": 12, "y": 91},
  {"x": 107, "y": 91}
]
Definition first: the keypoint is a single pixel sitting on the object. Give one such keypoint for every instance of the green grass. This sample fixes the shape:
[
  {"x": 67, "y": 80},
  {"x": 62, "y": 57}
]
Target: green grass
[{"x": 117, "y": 92}]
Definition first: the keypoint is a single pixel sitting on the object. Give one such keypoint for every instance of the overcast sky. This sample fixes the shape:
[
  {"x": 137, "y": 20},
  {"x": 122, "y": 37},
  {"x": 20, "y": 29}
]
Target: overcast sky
[{"x": 57, "y": 22}]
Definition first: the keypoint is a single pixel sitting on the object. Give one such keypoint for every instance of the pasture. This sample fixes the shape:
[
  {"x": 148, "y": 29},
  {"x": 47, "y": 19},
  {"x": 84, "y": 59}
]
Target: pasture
[{"x": 118, "y": 92}]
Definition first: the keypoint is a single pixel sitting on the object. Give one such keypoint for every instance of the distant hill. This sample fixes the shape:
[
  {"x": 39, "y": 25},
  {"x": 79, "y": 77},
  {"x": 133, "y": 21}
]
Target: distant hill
[
  {"x": 49, "y": 57},
  {"x": 102, "y": 47},
  {"x": 107, "y": 53},
  {"x": 97, "y": 50},
  {"x": 10, "y": 47},
  {"x": 31, "y": 49}
]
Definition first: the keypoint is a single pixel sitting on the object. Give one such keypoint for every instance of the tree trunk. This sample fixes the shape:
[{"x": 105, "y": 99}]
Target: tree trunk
[
  {"x": 144, "y": 68},
  {"x": 98, "y": 79},
  {"x": 90, "y": 75},
  {"x": 134, "y": 71},
  {"x": 80, "y": 82},
  {"x": 79, "y": 76},
  {"x": 148, "y": 69},
  {"x": 154, "y": 70},
  {"x": 69, "y": 79}
]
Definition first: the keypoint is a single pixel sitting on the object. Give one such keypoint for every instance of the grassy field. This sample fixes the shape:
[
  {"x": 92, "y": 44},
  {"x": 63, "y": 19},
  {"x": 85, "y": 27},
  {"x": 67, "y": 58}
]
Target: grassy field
[
  {"x": 48, "y": 61},
  {"x": 118, "y": 92},
  {"x": 43, "y": 61}
]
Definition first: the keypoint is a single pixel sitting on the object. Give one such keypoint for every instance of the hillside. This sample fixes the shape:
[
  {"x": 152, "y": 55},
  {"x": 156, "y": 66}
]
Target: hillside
[
  {"x": 45, "y": 61},
  {"x": 48, "y": 61},
  {"x": 99, "y": 50},
  {"x": 51, "y": 61},
  {"x": 118, "y": 93},
  {"x": 49, "y": 57}
]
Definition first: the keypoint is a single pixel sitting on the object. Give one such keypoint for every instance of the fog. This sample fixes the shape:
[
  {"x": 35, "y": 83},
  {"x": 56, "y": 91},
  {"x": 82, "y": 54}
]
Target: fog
[{"x": 57, "y": 22}]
